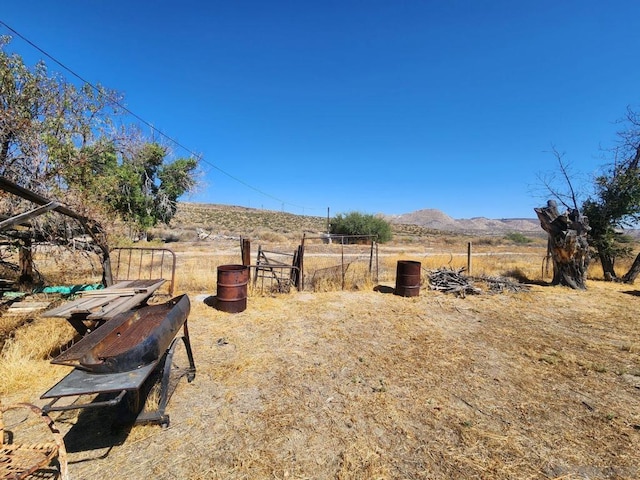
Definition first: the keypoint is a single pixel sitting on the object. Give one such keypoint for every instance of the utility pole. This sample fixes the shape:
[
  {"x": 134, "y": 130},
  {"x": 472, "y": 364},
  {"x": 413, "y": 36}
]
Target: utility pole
[{"x": 328, "y": 223}]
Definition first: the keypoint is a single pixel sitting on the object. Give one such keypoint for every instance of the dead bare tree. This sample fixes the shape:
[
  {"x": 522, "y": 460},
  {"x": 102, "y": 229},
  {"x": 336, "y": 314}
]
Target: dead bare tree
[
  {"x": 55, "y": 232},
  {"x": 568, "y": 244}
]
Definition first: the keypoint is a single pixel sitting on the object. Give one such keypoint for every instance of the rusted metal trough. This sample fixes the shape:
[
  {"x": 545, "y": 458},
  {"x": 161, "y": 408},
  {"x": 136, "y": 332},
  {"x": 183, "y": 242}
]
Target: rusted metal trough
[{"x": 118, "y": 357}]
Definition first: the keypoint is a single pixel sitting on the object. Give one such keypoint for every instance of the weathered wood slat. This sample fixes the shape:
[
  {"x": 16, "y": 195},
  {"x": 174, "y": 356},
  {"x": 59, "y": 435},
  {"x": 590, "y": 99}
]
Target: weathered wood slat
[
  {"x": 26, "y": 307},
  {"x": 63, "y": 310},
  {"x": 105, "y": 304},
  {"x": 17, "y": 306},
  {"x": 120, "y": 305},
  {"x": 91, "y": 305},
  {"x": 80, "y": 305},
  {"x": 113, "y": 292}
]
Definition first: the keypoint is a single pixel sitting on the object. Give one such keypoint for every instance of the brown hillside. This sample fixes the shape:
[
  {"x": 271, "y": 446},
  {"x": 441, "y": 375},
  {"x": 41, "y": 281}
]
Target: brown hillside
[{"x": 435, "y": 219}]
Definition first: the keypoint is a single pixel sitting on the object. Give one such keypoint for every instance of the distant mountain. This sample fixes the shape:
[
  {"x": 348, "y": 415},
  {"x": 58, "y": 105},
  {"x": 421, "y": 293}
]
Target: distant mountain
[
  {"x": 243, "y": 219},
  {"x": 437, "y": 220}
]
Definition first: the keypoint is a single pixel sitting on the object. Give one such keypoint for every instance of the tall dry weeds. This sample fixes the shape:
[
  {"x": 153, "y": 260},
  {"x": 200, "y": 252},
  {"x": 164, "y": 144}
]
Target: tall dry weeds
[
  {"x": 24, "y": 358},
  {"x": 364, "y": 385}
]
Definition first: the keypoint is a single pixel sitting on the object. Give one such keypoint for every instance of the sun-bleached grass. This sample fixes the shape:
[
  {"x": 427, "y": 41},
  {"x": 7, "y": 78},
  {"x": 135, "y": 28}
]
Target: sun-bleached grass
[
  {"x": 358, "y": 384},
  {"x": 198, "y": 260},
  {"x": 363, "y": 385},
  {"x": 526, "y": 265},
  {"x": 199, "y": 273},
  {"x": 61, "y": 266},
  {"x": 24, "y": 358}
]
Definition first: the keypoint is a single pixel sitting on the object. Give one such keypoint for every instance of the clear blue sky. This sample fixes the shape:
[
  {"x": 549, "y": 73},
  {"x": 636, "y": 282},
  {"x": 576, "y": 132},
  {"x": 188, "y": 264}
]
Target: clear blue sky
[{"x": 375, "y": 106}]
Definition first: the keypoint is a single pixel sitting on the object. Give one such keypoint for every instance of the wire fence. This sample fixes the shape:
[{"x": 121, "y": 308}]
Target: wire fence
[{"x": 339, "y": 261}]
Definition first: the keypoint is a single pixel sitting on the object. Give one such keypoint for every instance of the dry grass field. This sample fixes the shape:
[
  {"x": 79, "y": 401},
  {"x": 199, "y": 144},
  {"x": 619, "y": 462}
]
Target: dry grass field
[{"x": 364, "y": 384}]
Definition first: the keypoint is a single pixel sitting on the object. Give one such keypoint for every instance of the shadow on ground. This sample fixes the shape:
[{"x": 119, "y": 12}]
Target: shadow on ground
[
  {"x": 384, "y": 289},
  {"x": 635, "y": 293},
  {"x": 94, "y": 430}
]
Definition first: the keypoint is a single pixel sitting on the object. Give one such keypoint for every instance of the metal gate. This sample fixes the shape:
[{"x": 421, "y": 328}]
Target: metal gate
[{"x": 278, "y": 271}]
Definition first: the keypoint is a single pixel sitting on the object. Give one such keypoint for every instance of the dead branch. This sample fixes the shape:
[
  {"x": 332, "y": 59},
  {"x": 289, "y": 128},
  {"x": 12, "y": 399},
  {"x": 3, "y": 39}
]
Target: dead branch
[
  {"x": 454, "y": 281},
  {"x": 451, "y": 281}
]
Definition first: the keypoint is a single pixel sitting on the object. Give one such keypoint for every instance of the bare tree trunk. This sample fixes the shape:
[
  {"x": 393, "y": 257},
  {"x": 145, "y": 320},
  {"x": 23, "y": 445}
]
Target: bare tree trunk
[
  {"x": 633, "y": 272},
  {"x": 568, "y": 244},
  {"x": 107, "y": 274},
  {"x": 99, "y": 236},
  {"x": 607, "y": 263},
  {"x": 25, "y": 259}
]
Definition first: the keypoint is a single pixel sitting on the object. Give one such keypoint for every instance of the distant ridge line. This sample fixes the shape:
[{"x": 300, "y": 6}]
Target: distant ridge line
[{"x": 429, "y": 218}]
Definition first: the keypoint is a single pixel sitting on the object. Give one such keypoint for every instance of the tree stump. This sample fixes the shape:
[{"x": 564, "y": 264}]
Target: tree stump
[{"x": 568, "y": 244}]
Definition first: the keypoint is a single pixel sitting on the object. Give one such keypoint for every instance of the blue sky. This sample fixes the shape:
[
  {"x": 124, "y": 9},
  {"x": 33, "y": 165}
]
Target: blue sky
[{"x": 370, "y": 106}]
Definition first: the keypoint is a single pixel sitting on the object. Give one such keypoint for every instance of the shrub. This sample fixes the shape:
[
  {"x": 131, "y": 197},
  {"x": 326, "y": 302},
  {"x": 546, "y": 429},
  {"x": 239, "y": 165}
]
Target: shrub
[
  {"x": 487, "y": 241},
  {"x": 269, "y": 236},
  {"x": 356, "y": 223},
  {"x": 518, "y": 238}
]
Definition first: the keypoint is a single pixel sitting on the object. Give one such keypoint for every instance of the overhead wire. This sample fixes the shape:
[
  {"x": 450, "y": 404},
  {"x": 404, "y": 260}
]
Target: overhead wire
[{"x": 199, "y": 157}]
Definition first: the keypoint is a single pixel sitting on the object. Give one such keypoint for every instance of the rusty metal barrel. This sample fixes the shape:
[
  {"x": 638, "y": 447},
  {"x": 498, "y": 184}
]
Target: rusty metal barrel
[
  {"x": 231, "y": 296},
  {"x": 408, "y": 278}
]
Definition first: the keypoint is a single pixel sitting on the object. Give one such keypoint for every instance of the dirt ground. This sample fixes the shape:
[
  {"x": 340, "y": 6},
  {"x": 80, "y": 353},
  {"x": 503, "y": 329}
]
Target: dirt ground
[{"x": 368, "y": 385}]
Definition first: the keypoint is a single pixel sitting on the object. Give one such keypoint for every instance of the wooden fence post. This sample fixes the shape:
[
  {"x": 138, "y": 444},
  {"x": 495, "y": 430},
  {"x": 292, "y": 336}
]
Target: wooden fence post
[
  {"x": 301, "y": 263},
  {"x": 245, "y": 247},
  {"x": 342, "y": 263}
]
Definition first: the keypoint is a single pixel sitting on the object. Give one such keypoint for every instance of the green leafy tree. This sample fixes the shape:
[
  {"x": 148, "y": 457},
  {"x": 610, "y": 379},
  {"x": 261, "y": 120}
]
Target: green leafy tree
[
  {"x": 176, "y": 178},
  {"x": 615, "y": 203},
  {"x": 356, "y": 223},
  {"x": 45, "y": 121},
  {"x": 146, "y": 188},
  {"x": 59, "y": 140},
  {"x": 92, "y": 170}
]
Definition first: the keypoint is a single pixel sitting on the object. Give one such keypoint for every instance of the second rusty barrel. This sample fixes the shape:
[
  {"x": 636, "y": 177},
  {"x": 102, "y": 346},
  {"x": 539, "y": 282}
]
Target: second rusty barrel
[
  {"x": 408, "y": 278},
  {"x": 231, "y": 295}
]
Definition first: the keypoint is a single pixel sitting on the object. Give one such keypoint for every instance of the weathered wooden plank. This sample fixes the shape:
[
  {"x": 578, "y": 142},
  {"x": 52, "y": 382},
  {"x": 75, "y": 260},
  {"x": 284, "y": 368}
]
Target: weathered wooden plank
[
  {"x": 77, "y": 306},
  {"x": 109, "y": 292},
  {"x": 120, "y": 305},
  {"x": 61, "y": 311},
  {"x": 91, "y": 305},
  {"x": 26, "y": 307},
  {"x": 108, "y": 302}
]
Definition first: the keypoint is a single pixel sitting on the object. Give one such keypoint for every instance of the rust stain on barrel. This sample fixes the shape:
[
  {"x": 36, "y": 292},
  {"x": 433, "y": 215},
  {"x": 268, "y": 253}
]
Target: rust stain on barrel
[
  {"x": 408, "y": 278},
  {"x": 231, "y": 295}
]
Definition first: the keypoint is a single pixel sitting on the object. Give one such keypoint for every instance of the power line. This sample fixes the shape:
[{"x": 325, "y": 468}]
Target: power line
[{"x": 199, "y": 157}]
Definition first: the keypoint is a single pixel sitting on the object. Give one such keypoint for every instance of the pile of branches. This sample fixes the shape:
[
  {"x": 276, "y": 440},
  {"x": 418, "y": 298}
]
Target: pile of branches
[
  {"x": 501, "y": 284},
  {"x": 454, "y": 281}
]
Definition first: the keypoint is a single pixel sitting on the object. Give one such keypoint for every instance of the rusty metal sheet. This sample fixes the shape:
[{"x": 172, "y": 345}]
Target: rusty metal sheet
[
  {"x": 131, "y": 339},
  {"x": 80, "y": 382}
]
